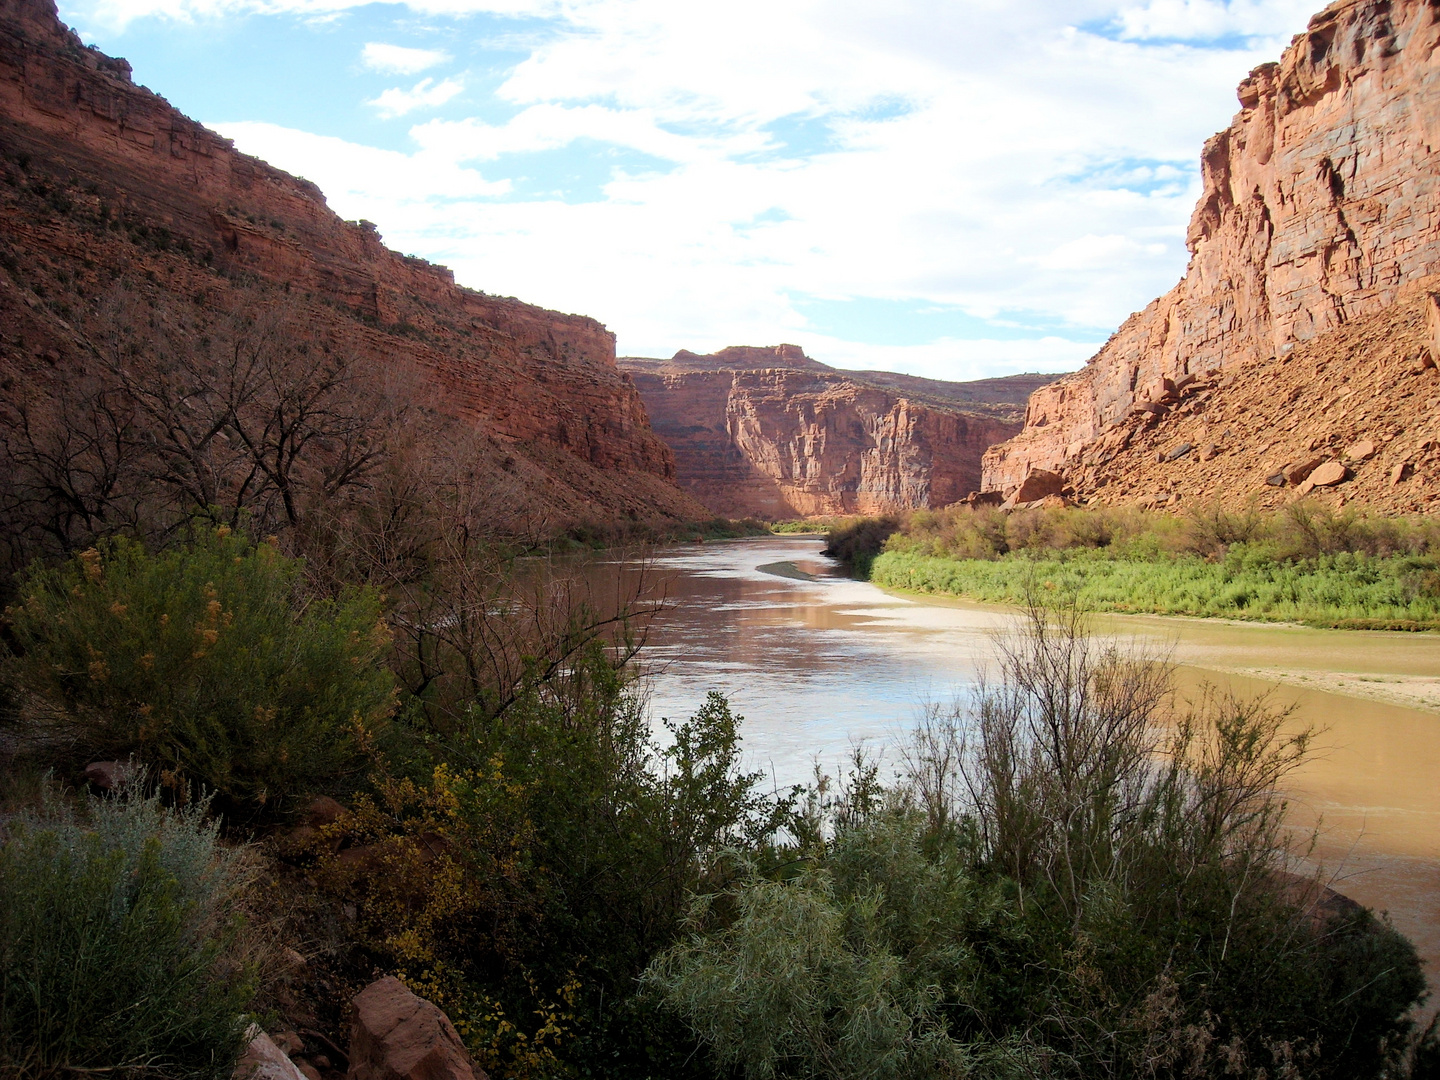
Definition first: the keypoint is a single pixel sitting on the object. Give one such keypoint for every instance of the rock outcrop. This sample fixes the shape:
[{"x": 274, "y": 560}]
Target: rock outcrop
[
  {"x": 1321, "y": 207},
  {"x": 103, "y": 181},
  {"x": 771, "y": 433},
  {"x": 1352, "y": 416},
  {"x": 264, "y": 1060},
  {"x": 399, "y": 1036}
]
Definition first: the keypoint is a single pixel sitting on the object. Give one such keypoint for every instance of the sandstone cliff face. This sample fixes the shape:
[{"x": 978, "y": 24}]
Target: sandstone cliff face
[
  {"x": 771, "y": 433},
  {"x": 106, "y": 182},
  {"x": 1321, "y": 206}
]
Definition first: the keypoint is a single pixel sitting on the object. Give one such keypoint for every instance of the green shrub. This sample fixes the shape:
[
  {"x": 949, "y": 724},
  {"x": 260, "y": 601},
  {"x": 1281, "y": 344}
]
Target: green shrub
[
  {"x": 1249, "y": 582},
  {"x": 1073, "y": 879},
  {"x": 526, "y": 867},
  {"x": 1303, "y": 530},
  {"x": 856, "y": 543},
  {"x": 117, "y": 943},
  {"x": 849, "y": 970},
  {"x": 205, "y": 661}
]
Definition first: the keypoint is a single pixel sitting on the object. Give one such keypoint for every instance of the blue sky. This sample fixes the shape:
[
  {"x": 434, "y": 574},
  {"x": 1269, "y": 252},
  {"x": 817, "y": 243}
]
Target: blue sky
[{"x": 952, "y": 188}]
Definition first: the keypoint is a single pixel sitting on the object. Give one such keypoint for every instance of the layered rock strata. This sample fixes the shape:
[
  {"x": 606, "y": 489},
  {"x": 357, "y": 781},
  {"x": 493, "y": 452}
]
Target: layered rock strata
[
  {"x": 105, "y": 182},
  {"x": 1321, "y": 206},
  {"x": 772, "y": 433}
]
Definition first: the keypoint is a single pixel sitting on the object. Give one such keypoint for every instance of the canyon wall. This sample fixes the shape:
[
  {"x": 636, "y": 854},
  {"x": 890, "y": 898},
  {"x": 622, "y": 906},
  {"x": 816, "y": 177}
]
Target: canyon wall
[
  {"x": 105, "y": 182},
  {"x": 771, "y": 433},
  {"x": 1321, "y": 207}
]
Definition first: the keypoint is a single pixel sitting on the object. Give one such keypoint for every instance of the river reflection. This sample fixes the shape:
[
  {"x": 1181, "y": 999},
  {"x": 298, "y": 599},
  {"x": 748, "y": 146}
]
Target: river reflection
[{"x": 817, "y": 662}]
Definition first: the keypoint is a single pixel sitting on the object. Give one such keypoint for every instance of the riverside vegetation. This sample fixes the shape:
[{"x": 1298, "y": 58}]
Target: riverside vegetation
[
  {"x": 1076, "y": 875},
  {"x": 1305, "y": 564}
]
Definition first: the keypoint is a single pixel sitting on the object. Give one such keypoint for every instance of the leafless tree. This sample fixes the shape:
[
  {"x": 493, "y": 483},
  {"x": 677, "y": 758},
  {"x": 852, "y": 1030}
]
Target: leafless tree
[{"x": 245, "y": 413}]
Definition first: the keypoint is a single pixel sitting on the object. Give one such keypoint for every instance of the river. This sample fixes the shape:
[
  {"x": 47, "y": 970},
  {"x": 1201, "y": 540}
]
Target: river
[{"x": 817, "y": 663}]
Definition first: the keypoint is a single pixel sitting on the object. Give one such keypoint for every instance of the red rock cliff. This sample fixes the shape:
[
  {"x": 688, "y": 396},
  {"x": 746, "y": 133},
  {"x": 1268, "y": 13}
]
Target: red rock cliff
[
  {"x": 771, "y": 433},
  {"x": 108, "y": 182},
  {"x": 1321, "y": 206}
]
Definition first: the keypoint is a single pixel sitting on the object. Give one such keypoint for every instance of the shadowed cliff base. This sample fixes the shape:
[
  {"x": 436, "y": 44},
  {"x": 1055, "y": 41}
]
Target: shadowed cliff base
[{"x": 772, "y": 433}]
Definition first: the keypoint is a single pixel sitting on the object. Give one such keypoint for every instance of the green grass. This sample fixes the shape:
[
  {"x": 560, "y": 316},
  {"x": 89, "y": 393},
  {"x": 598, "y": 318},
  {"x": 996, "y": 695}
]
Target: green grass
[
  {"x": 1347, "y": 590},
  {"x": 806, "y": 525}
]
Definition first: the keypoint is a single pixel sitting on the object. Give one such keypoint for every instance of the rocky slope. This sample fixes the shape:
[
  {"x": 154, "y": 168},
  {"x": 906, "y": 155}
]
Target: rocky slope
[
  {"x": 771, "y": 433},
  {"x": 1320, "y": 213},
  {"x": 1351, "y": 416},
  {"x": 106, "y": 185}
]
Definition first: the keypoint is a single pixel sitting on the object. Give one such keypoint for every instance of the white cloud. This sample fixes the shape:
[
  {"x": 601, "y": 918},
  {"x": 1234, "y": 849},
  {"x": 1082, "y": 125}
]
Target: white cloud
[
  {"x": 400, "y": 59},
  {"x": 426, "y": 94},
  {"x": 1195, "y": 20},
  {"x": 954, "y": 358},
  {"x": 1033, "y": 161},
  {"x": 362, "y": 181}
]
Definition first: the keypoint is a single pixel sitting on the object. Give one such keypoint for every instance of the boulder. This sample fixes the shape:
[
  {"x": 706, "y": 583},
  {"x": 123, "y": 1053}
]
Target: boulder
[
  {"x": 1327, "y": 474},
  {"x": 323, "y": 811},
  {"x": 1400, "y": 473},
  {"x": 397, "y": 1035},
  {"x": 289, "y": 1042},
  {"x": 1179, "y": 452},
  {"x": 109, "y": 775},
  {"x": 1295, "y": 474},
  {"x": 1276, "y": 479},
  {"x": 1208, "y": 451},
  {"x": 1363, "y": 450},
  {"x": 263, "y": 1060},
  {"x": 1037, "y": 485}
]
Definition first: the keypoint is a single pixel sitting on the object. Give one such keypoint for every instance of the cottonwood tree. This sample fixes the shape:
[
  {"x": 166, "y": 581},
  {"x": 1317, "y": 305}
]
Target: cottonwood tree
[
  {"x": 253, "y": 413},
  {"x": 71, "y": 471}
]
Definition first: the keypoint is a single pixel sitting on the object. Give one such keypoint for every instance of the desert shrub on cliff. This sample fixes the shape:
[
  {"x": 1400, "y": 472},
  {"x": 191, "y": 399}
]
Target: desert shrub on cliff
[
  {"x": 118, "y": 946},
  {"x": 1075, "y": 878},
  {"x": 206, "y": 661}
]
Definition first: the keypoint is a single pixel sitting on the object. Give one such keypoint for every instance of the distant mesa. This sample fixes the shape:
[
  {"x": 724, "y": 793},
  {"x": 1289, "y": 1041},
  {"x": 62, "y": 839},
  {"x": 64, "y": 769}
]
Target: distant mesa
[{"x": 769, "y": 432}]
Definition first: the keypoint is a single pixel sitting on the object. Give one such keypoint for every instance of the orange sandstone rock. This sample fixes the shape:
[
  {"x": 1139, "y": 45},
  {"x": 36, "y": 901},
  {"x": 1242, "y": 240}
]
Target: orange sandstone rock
[
  {"x": 1328, "y": 474},
  {"x": 399, "y": 1036},
  {"x": 1321, "y": 206},
  {"x": 135, "y": 190},
  {"x": 769, "y": 432}
]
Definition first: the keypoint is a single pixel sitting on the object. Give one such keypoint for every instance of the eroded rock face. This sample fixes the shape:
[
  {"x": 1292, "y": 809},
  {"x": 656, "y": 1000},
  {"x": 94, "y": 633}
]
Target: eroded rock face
[
  {"x": 771, "y": 433},
  {"x": 399, "y": 1036},
  {"x": 1349, "y": 416},
  {"x": 103, "y": 180},
  {"x": 1321, "y": 206}
]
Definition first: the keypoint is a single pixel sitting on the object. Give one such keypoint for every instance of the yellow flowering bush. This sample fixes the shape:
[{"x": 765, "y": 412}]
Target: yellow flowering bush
[{"x": 205, "y": 661}]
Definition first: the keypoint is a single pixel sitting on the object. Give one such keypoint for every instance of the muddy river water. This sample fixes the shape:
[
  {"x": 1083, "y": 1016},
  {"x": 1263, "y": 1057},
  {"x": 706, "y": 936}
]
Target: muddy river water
[{"x": 816, "y": 663}]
